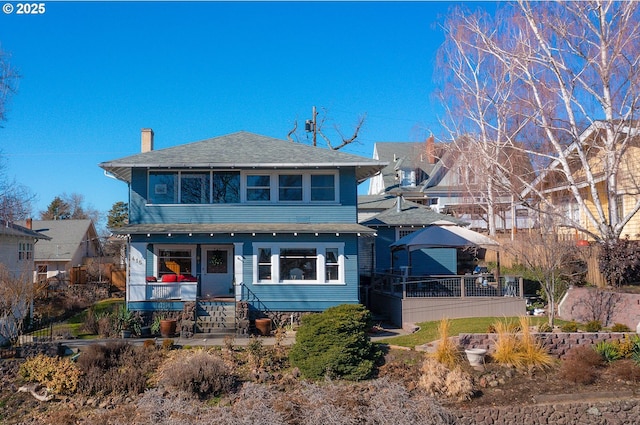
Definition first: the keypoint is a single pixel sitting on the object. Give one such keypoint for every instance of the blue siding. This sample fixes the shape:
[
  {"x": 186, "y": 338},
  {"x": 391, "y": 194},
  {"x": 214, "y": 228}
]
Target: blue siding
[
  {"x": 386, "y": 236},
  {"x": 275, "y": 296},
  {"x": 345, "y": 211}
]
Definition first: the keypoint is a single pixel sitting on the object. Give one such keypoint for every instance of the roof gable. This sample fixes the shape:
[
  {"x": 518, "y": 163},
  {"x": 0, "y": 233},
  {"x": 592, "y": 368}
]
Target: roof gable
[{"x": 65, "y": 237}]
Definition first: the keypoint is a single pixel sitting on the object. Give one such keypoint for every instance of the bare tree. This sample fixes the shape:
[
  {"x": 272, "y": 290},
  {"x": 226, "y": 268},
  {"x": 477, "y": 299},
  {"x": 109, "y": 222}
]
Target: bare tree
[
  {"x": 553, "y": 262},
  {"x": 8, "y": 83},
  {"x": 533, "y": 77},
  {"x": 316, "y": 126},
  {"x": 16, "y": 296}
]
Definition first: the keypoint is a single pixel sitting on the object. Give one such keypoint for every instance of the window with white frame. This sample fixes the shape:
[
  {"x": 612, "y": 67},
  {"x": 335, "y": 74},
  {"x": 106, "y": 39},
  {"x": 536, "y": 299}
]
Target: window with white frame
[
  {"x": 227, "y": 186},
  {"x": 175, "y": 260},
  {"x": 258, "y": 187},
  {"x": 25, "y": 251},
  {"x": 299, "y": 263}
]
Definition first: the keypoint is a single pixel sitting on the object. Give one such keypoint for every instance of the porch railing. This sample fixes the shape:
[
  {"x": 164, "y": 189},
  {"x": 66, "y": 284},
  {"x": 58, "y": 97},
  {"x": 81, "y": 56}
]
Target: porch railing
[
  {"x": 156, "y": 291},
  {"x": 448, "y": 286}
]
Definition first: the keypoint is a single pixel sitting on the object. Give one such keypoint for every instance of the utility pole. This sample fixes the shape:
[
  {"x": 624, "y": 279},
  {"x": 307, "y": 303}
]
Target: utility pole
[{"x": 310, "y": 125}]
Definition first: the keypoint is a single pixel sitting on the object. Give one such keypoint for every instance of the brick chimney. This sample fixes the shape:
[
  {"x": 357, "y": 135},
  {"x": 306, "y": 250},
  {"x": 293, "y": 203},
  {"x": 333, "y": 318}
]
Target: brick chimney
[
  {"x": 147, "y": 140},
  {"x": 431, "y": 150},
  {"x": 29, "y": 224}
]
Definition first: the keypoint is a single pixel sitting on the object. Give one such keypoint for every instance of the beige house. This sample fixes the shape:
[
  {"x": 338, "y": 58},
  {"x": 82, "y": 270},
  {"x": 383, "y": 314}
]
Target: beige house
[{"x": 71, "y": 244}]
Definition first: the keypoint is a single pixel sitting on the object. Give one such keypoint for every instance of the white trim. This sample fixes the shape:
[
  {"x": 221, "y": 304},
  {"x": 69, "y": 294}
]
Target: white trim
[
  {"x": 320, "y": 263},
  {"x": 158, "y": 247}
]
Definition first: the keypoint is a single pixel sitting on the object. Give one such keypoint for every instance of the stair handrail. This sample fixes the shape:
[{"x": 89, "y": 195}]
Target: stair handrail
[{"x": 252, "y": 298}]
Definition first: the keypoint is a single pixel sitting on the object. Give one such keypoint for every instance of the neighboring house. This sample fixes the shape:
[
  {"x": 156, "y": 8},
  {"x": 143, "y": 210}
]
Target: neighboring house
[
  {"x": 70, "y": 244},
  {"x": 17, "y": 247},
  {"x": 260, "y": 220},
  {"x": 430, "y": 174},
  {"x": 393, "y": 218},
  {"x": 553, "y": 184}
]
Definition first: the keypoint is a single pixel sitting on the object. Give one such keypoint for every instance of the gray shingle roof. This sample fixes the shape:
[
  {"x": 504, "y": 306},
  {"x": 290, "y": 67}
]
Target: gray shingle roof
[
  {"x": 411, "y": 155},
  {"x": 181, "y": 228},
  {"x": 243, "y": 150},
  {"x": 65, "y": 238},
  {"x": 411, "y": 214},
  {"x": 13, "y": 229}
]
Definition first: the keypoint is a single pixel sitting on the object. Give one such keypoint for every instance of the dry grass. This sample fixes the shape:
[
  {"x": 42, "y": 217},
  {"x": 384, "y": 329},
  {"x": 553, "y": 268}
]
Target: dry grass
[
  {"x": 447, "y": 351},
  {"x": 440, "y": 381},
  {"x": 520, "y": 349}
]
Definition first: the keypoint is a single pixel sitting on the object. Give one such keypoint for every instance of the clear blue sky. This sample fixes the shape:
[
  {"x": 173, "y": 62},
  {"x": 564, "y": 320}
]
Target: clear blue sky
[{"x": 95, "y": 73}]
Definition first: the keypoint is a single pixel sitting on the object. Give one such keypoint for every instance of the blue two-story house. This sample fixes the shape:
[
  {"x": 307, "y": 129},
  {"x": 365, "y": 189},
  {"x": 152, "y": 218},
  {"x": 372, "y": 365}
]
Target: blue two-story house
[{"x": 266, "y": 222}]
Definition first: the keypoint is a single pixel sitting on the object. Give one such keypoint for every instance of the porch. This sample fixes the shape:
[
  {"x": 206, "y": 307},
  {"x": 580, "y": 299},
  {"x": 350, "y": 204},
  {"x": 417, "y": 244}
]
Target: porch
[{"x": 413, "y": 299}]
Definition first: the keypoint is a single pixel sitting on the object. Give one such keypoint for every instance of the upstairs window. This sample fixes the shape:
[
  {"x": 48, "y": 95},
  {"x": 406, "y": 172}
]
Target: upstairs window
[
  {"x": 290, "y": 187},
  {"x": 194, "y": 188},
  {"x": 258, "y": 188},
  {"x": 25, "y": 251},
  {"x": 163, "y": 187},
  {"x": 323, "y": 187},
  {"x": 226, "y": 187}
]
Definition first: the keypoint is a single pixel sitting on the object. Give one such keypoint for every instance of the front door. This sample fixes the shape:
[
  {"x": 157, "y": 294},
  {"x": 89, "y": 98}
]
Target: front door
[{"x": 217, "y": 271}]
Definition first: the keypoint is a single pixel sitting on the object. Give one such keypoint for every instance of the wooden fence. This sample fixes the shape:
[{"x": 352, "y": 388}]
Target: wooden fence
[{"x": 508, "y": 259}]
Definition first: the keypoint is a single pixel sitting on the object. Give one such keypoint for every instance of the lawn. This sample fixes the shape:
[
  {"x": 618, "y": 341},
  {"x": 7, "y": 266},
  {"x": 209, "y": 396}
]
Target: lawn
[
  {"x": 75, "y": 323},
  {"x": 429, "y": 330}
]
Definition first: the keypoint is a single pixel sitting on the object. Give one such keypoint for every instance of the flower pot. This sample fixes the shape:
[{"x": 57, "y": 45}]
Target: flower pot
[
  {"x": 168, "y": 327},
  {"x": 125, "y": 333},
  {"x": 263, "y": 326},
  {"x": 475, "y": 356}
]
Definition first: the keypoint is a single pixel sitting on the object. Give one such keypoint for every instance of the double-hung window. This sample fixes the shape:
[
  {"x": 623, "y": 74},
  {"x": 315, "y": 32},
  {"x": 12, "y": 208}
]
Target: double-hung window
[
  {"x": 258, "y": 187},
  {"x": 25, "y": 251}
]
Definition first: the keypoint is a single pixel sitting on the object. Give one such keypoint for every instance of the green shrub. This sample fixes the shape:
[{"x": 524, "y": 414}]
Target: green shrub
[
  {"x": 619, "y": 327},
  {"x": 593, "y": 326},
  {"x": 569, "y": 327},
  {"x": 608, "y": 350},
  {"x": 59, "y": 375},
  {"x": 335, "y": 343},
  {"x": 545, "y": 328}
]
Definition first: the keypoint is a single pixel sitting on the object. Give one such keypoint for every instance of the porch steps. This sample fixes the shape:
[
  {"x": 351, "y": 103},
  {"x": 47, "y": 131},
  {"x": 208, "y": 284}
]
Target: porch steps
[{"x": 215, "y": 317}]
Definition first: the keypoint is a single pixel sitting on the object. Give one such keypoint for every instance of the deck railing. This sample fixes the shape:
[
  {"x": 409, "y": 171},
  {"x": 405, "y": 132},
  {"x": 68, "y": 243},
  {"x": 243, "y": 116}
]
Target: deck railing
[{"x": 448, "y": 286}]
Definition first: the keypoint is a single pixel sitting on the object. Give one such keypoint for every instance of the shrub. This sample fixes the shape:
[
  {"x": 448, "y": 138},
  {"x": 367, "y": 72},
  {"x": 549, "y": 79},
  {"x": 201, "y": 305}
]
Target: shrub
[
  {"x": 446, "y": 352},
  {"x": 59, "y": 375},
  {"x": 438, "y": 380},
  {"x": 626, "y": 370},
  {"x": 545, "y": 328},
  {"x": 628, "y": 345},
  {"x": 198, "y": 373},
  {"x": 116, "y": 367},
  {"x": 593, "y": 326},
  {"x": 608, "y": 350},
  {"x": 619, "y": 327},
  {"x": 580, "y": 365},
  {"x": 569, "y": 327},
  {"x": 335, "y": 343}
]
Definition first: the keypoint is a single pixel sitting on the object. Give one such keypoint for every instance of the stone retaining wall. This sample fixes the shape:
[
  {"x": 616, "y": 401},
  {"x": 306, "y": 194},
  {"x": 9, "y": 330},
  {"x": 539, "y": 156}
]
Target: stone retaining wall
[
  {"x": 615, "y": 412},
  {"x": 558, "y": 343}
]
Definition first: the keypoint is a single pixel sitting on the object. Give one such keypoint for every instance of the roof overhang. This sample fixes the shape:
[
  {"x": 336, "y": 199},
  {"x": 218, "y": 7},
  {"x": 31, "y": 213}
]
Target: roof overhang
[
  {"x": 244, "y": 228},
  {"x": 122, "y": 170}
]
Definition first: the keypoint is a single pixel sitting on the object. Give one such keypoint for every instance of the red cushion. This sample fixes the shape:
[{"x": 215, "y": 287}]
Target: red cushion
[
  {"x": 151, "y": 279},
  {"x": 170, "y": 278},
  {"x": 187, "y": 278}
]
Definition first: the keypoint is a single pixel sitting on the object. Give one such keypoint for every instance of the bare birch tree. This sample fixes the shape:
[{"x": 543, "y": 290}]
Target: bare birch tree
[{"x": 533, "y": 77}]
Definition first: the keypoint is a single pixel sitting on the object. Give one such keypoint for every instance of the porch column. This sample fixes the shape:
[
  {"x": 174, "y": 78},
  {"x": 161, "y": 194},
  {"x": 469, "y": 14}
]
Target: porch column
[
  {"x": 137, "y": 267},
  {"x": 238, "y": 265}
]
